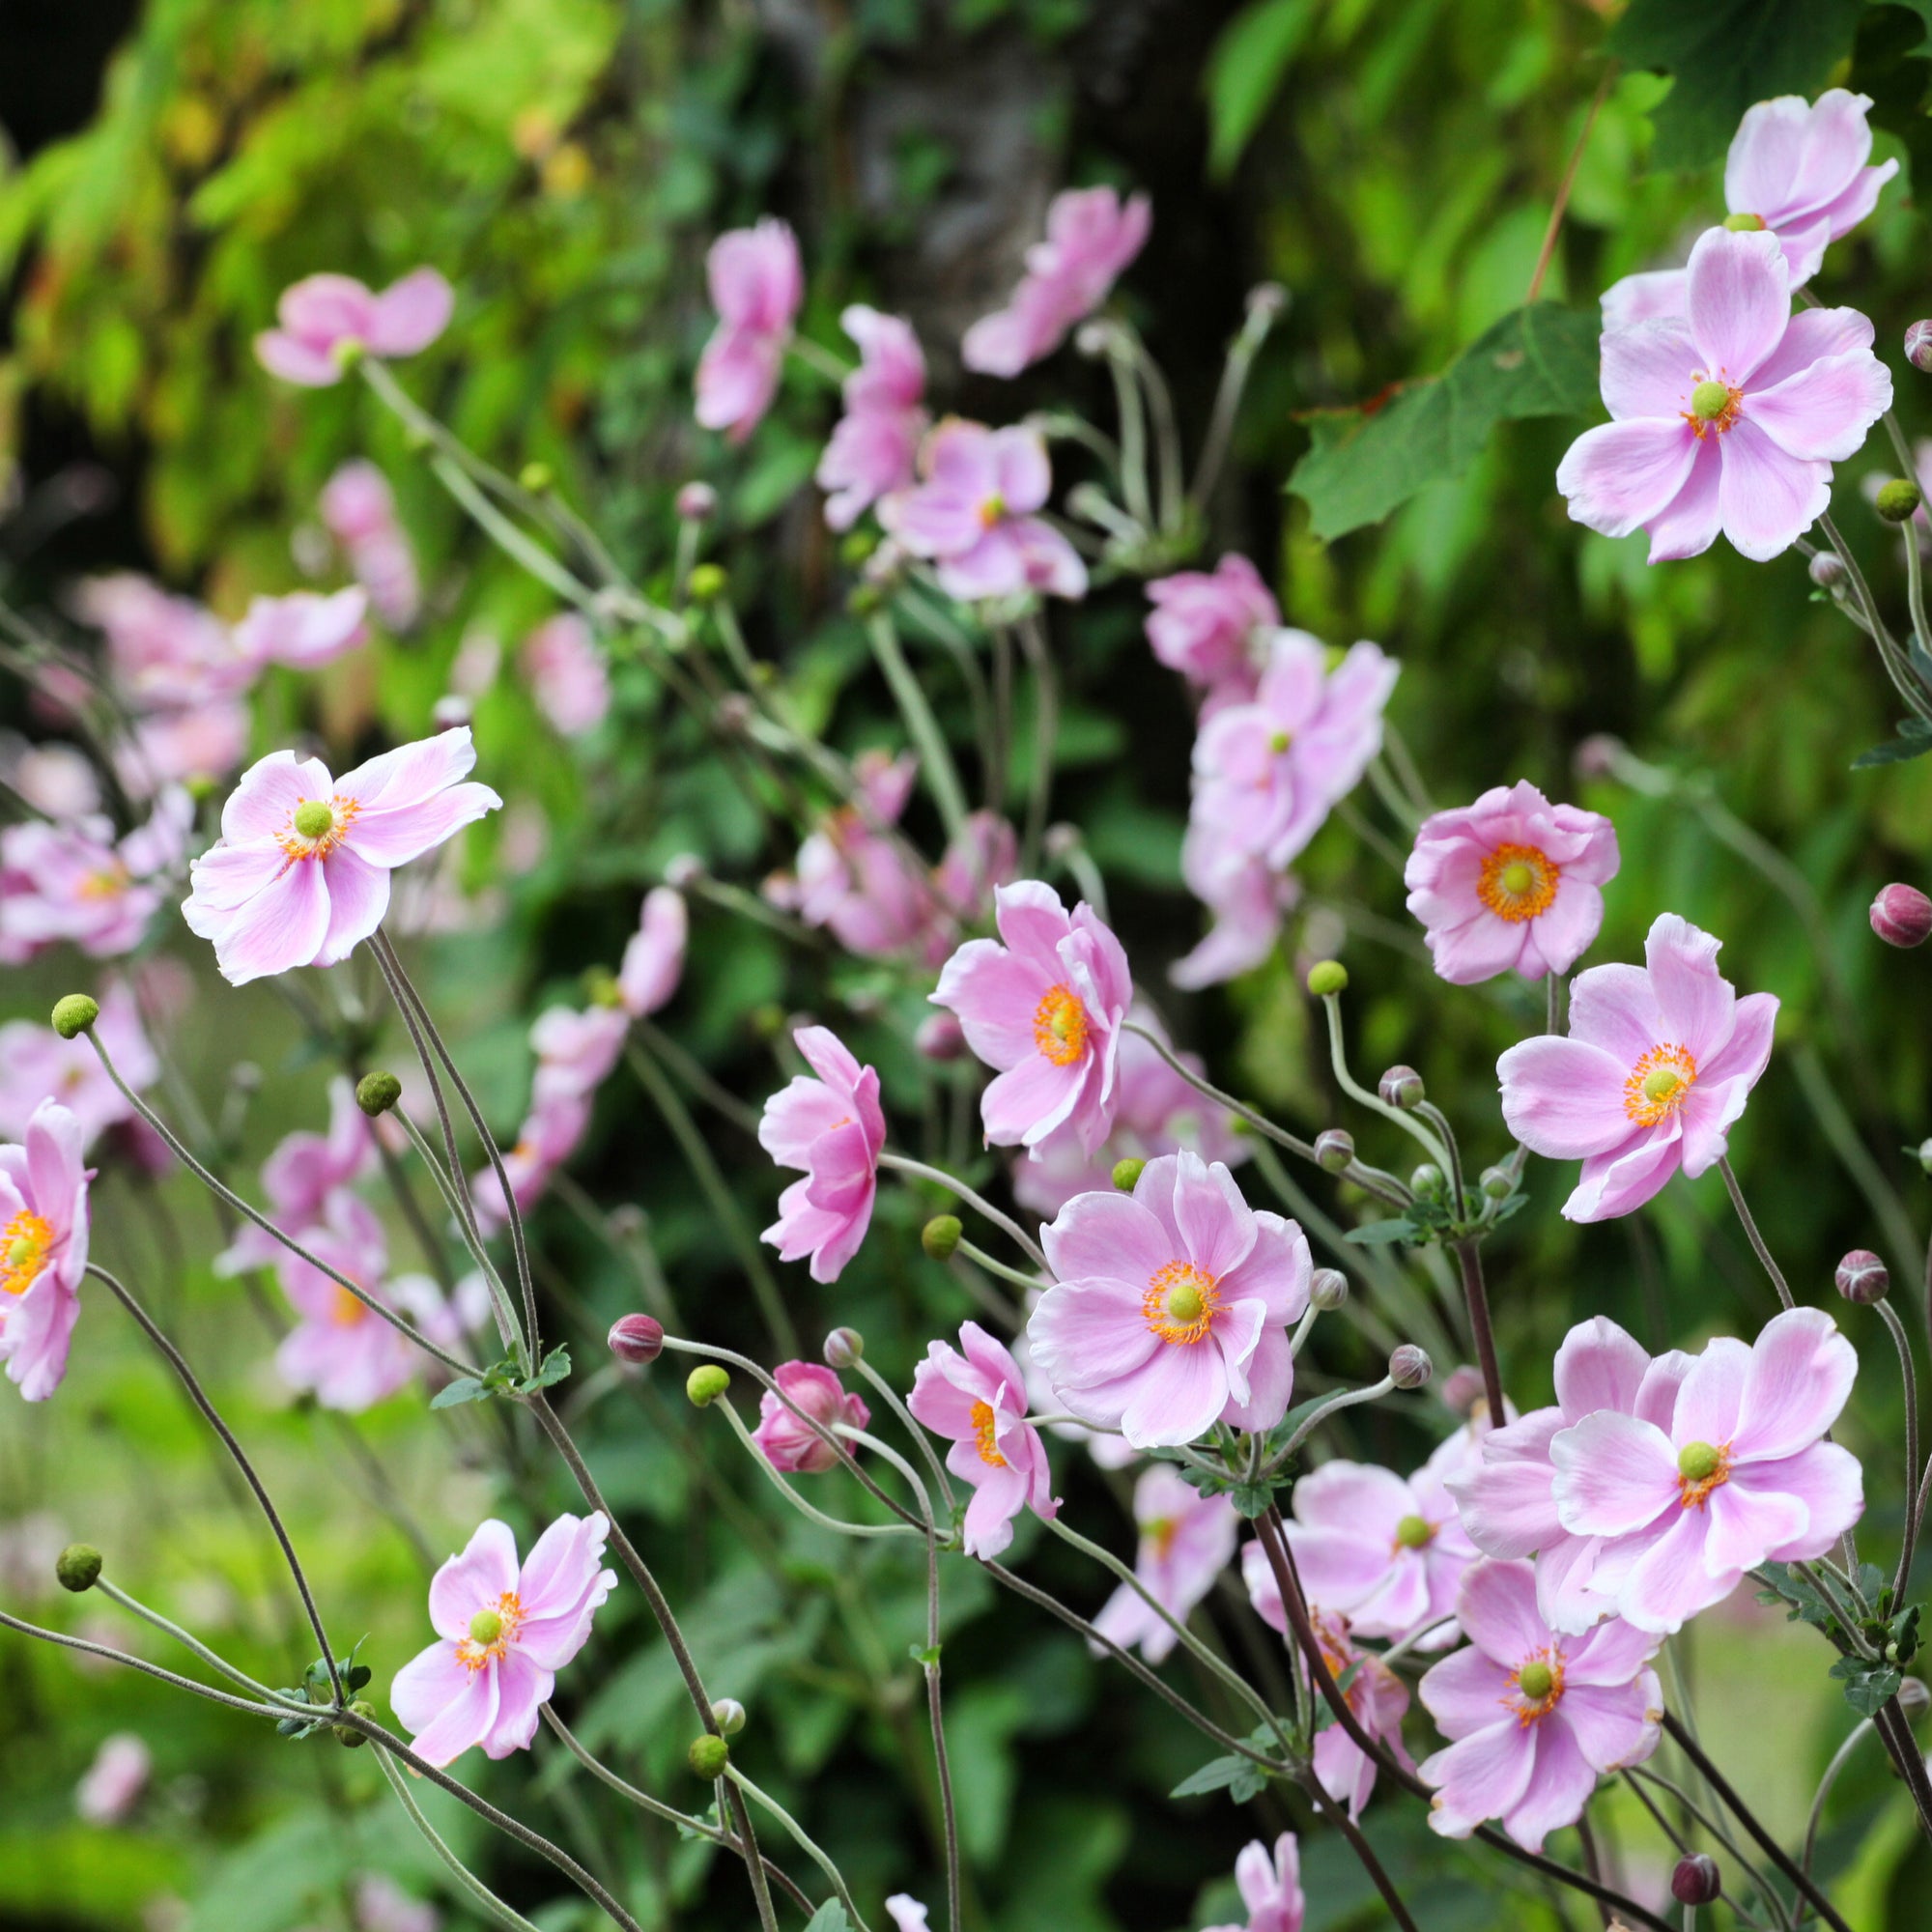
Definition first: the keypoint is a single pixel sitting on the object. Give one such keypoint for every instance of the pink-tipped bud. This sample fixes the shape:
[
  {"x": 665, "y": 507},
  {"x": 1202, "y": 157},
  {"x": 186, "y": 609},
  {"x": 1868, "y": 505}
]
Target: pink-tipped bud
[
  {"x": 1918, "y": 345},
  {"x": 1862, "y": 1277},
  {"x": 637, "y": 1339},
  {"x": 1463, "y": 1388},
  {"x": 1402, "y": 1087},
  {"x": 1695, "y": 1880},
  {"x": 695, "y": 501},
  {"x": 450, "y": 714},
  {"x": 1827, "y": 570},
  {"x": 1410, "y": 1367},
  {"x": 1902, "y": 916},
  {"x": 1596, "y": 758},
  {"x": 940, "y": 1036},
  {"x": 1914, "y": 1698},
  {"x": 844, "y": 1347},
  {"x": 1334, "y": 1150}
]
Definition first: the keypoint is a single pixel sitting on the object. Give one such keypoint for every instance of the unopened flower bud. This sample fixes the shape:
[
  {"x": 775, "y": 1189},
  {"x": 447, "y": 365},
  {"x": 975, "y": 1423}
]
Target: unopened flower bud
[
  {"x": 347, "y": 1735},
  {"x": 728, "y": 1715},
  {"x": 1918, "y": 345},
  {"x": 1410, "y": 1367},
  {"x": 1327, "y": 978},
  {"x": 708, "y": 1756},
  {"x": 1827, "y": 570},
  {"x": 1497, "y": 1183},
  {"x": 1897, "y": 502},
  {"x": 450, "y": 714},
  {"x": 1596, "y": 758},
  {"x": 1862, "y": 1277},
  {"x": 1913, "y": 1700},
  {"x": 856, "y": 546},
  {"x": 76, "y": 1014},
  {"x": 940, "y": 1038},
  {"x": 1328, "y": 1289},
  {"x": 734, "y": 713},
  {"x": 706, "y": 1383},
  {"x": 706, "y": 583},
  {"x": 843, "y": 1348},
  {"x": 940, "y": 1236},
  {"x": 1925, "y": 1155},
  {"x": 77, "y": 1567},
  {"x": 1695, "y": 1880},
  {"x": 1902, "y": 916},
  {"x": 695, "y": 501},
  {"x": 1127, "y": 1174},
  {"x": 536, "y": 477},
  {"x": 1402, "y": 1087},
  {"x": 683, "y": 871},
  {"x": 1334, "y": 1150},
  {"x": 1090, "y": 338},
  {"x": 377, "y": 1092},
  {"x": 1428, "y": 1182},
  {"x": 1463, "y": 1389},
  {"x": 637, "y": 1339},
  {"x": 1267, "y": 299}
]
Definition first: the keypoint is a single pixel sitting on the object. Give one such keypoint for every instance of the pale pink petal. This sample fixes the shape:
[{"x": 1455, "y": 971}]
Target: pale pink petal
[
  {"x": 465, "y": 1720},
  {"x": 1557, "y": 1789},
  {"x": 1614, "y": 1475},
  {"x": 1647, "y": 370},
  {"x": 1176, "y": 1397},
  {"x": 1689, "y": 526},
  {"x": 1090, "y": 1332},
  {"x": 522, "y": 1687},
  {"x": 1709, "y": 1403},
  {"x": 1598, "y": 1365},
  {"x": 1622, "y": 475},
  {"x": 358, "y": 896},
  {"x": 1465, "y": 1692},
  {"x": 1496, "y": 1608},
  {"x": 1670, "y": 1584},
  {"x": 408, "y": 315},
  {"x": 1768, "y": 499},
  {"x": 282, "y": 927},
  {"x": 1563, "y": 1098},
  {"x": 427, "y": 1685},
  {"x": 1825, "y": 410},
  {"x": 1694, "y": 1000},
  {"x": 1740, "y": 301},
  {"x": 1623, "y": 1179},
  {"x": 296, "y": 361},
  {"x": 1615, "y": 1008},
  {"x": 1827, "y": 1479},
  {"x": 485, "y": 1572},
  {"x": 1747, "y": 1525},
  {"x": 1479, "y": 1778},
  {"x": 1797, "y": 1381}
]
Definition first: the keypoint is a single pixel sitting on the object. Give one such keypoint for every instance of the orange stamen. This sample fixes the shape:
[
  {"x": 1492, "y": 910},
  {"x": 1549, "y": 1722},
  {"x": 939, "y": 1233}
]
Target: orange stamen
[
  {"x": 1517, "y": 882},
  {"x": 1059, "y": 1026}
]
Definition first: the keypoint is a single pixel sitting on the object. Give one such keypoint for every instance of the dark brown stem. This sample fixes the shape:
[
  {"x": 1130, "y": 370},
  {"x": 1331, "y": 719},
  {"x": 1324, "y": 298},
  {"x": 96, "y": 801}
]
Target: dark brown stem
[
  {"x": 1476, "y": 1296},
  {"x": 1338, "y": 1816}
]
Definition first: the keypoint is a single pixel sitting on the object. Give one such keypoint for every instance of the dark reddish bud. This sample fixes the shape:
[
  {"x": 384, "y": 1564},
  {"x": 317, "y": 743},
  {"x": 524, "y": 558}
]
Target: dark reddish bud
[
  {"x": 1334, "y": 1150},
  {"x": 1918, "y": 345},
  {"x": 1695, "y": 1881},
  {"x": 1862, "y": 1278},
  {"x": 637, "y": 1339},
  {"x": 1902, "y": 916}
]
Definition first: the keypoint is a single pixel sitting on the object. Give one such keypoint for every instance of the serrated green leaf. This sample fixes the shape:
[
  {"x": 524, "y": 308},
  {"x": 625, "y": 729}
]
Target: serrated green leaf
[
  {"x": 1868, "y": 1684},
  {"x": 1914, "y": 741},
  {"x": 1216, "y": 1774},
  {"x": 465, "y": 1388},
  {"x": 555, "y": 1367}
]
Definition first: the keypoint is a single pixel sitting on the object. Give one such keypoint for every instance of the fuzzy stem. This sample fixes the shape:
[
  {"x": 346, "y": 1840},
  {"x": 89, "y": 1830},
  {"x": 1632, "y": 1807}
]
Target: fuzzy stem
[
  {"x": 918, "y": 1169},
  {"x": 1756, "y": 1240},
  {"x": 467, "y": 1881},
  {"x": 804, "y": 1840}
]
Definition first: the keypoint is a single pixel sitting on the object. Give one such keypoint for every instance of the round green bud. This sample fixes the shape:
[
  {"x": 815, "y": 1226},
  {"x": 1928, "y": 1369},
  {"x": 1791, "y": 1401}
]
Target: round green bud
[
  {"x": 347, "y": 1735},
  {"x": 1699, "y": 1462},
  {"x": 77, "y": 1567},
  {"x": 706, "y": 1383},
  {"x": 940, "y": 1236},
  {"x": 1327, "y": 978},
  {"x": 706, "y": 583},
  {"x": 1744, "y": 224},
  {"x": 536, "y": 477},
  {"x": 1328, "y": 1289},
  {"x": 348, "y": 352},
  {"x": 1427, "y": 1182},
  {"x": 1497, "y": 1183},
  {"x": 75, "y": 1014},
  {"x": 1127, "y": 1174},
  {"x": 1710, "y": 400},
  {"x": 708, "y": 1756},
  {"x": 843, "y": 1348},
  {"x": 1413, "y": 1532},
  {"x": 314, "y": 816},
  {"x": 863, "y": 599},
  {"x": 1334, "y": 1150},
  {"x": 377, "y": 1092},
  {"x": 1536, "y": 1681},
  {"x": 1897, "y": 500},
  {"x": 728, "y": 1715}
]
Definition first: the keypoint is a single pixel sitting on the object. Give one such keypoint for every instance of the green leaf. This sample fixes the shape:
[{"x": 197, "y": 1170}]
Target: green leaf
[
  {"x": 922, "y": 1655},
  {"x": 465, "y": 1388},
  {"x": 555, "y": 1366},
  {"x": 1868, "y": 1684},
  {"x": 1245, "y": 72},
  {"x": 1725, "y": 55},
  {"x": 1914, "y": 741},
  {"x": 1240, "y": 1777},
  {"x": 1378, "y": 1234},
  {"x": 1370, "y": 459},
  {"x": 829, "y": 1918}
]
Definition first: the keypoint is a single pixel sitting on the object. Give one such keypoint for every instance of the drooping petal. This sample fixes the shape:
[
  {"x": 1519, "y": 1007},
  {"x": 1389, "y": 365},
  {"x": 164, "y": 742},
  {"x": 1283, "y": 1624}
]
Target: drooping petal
[
  {"x": 282, "y": 927},
  {"x": 1768, "y": 499},
  {"x": 358, "y": 896}
]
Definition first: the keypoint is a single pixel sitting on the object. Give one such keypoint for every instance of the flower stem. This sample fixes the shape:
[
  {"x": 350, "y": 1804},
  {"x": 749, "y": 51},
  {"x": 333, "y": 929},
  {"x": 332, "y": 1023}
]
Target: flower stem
[
  {"x": 467, "y": 1881},
  {"x": 941, "y": 774},
  {"x": 1045, "y": 733},
  {"x": 918, "y": 1169},
  {"x": 1756, "y": 1240},
  {"x": 116, "y": 1594},
  {"x": 1338, "y": 1058},
  {"x": 804, "y": 1840},
  {"x": 809, "y": 1511},
  {"x": 1346, "y": 1398},
  {"x": 1476, "y": 1299},
  {"x": 1896, "y": 1329}
]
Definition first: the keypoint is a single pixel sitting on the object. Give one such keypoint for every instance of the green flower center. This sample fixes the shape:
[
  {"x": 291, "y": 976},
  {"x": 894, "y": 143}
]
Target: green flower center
[
  {"x": 314, "y": 816},
  {"x": 1661, "y": 1082},
  {"x": 1743, "y": 224},
  {"x": 485, "y": 1627},
  {"x": 1536, "y": 1681},
  {"x": 1413, "y": 1532},
  {"x": 1517, "y": 878},
  {"x": 1183, "y": 1303},
  {"x": 1698, "y": 1462},
  {"x": 1710, "y": 400}
]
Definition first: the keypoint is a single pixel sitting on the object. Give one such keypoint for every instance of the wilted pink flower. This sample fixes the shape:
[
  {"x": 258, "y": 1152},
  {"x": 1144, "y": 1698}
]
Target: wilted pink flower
[
  {"x": 299, "y": 1179},
  {"x": 1740, "y": 1474},
  {"x": 115, "y": 1780},
  {"x": 566, "y": 675},
  {"x": 1186, "y": 1540},
  {"x": 76, "y": 882},
  {"x": 1536, "y": 1718},
  {"x": 322, "y": 315},
  {"x": 1729, "y": 418},
  {"x": 547, "y": 1137},
  {"x": 1795, "y": 168},
  {"x": 786, "y": 1442},
  {"x": 305, "y": 630},
  {"x": 1386, "y": 1551},
  {"x": 1658, "y": 1066},
  {"x": 42, "y": 1249},
  {"x": 1045, "y": 1008},
  {"x": 340, "y": 1349},
  {"x": 1158, "y": 1113},
  {"x": 1207, "y": 625},
  {"x": 832, "y": 1127},
  {"x": 505, "y": 1634},
  {"x": 359, "y": 509},
  {"x": 1510, "y": 884},
  {"x": 300, "y": 874},
  {"x": 1171, "y": 1307},
  {"x": 382, "y": 1905},
  {"x": 756, "y": 287},
  {"x": 976, "y": 1396},
  {"x": 1091, "y": 236},
  {"x": 972, "y": 513},
  {"x": 873, "y": 449},
  {"x": 1271, "y": 1886},
  {"x": 1506, "y": 1495},
  {"x": 654, "y": 955}
]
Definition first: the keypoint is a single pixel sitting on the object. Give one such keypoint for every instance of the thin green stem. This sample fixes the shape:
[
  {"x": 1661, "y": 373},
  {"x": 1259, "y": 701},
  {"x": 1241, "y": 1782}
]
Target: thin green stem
[
  {"x": 809, "y": 1511},
  {"x": 1338, "y": 1058},
  {"x": 1045, "y": 733},
  {"x": 935, "y": 757},
  {"x": 1751, "y": 1234},
  {"x": 116, "y": 1594},
  {"x": 467, "y": 1883},
  {"x": 805, "y": 1842},
  {"x": 918, "y": 1169}
]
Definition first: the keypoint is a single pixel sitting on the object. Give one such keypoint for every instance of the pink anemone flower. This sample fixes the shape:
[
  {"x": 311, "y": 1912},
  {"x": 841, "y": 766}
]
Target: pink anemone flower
[
  {"x": 1271, "y": 1886},
  {"x": 1740, "y": 1474},
  {"x": 323, "y": 315},
  {"x": 340, "y": 1349},
  {"x": 300, "y": 874},
  {"x": 973, "y": 515},
  {"x": 42, "y": 1249},
  {"x": 833, "y": 1127},
  {"x": 305, "y": 630},
  {"x": 1186, "y": 1540},
  {"x": 301, "y": 1177},
  {"x": 1657, "y": 1067},
  {"x": 1728, "y": 418},
  {"x": 852, "y": 878},
  {"x": 76, "y": 882},
  {"x": 548, "y": 1136},
  {"x": 653, "y": 960},
  {"x": 756, "y": 286},
  {"x": 787, "y": 1444},
  {"x": 1796, "y": 168},
  {"x": 1205, "y": 624},
  {"x": 566, "y": 675},
  {"x": 1506, "y": 1495},
  {"x": 1043, "y": 1005},
  {"x": 1092, "y": 235},
  {"x": 1510, "y": 884},
  {"x": 359, "y": 508},
  {"x": 37, "y": 1065},
  {"x": 875, "y": 446},
  {"x": 976, "y": 1396},
  {"x": 1172, "y": 1306},
  {"x": 1247, "y": 901},
  {"x": 505, "y": 1633},
  {"x": 1535, "y": 1717},
  {"x": 115, "y": 1780}
]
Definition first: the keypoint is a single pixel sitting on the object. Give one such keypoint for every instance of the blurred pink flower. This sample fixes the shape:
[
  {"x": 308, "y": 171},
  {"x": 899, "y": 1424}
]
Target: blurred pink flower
[
  {"x": 1186, "y": 1540},
  {"x": 787, "y": 1443},
  {"x": 1172, "y": 1306},
  {"x": 163, "y": 652},
  {"x": 1510, "y": 884},
  {"x": 1207, "y": 624},
  {"x": 1271, "y": 1886},
  {"x": 873, "y": 449},
  {"x": 304, "y": 629},
  {"x": 37, "y": 1065},
  {"x": 906, "y": 1913},
  {"x": 340, "y": 1349},
  {"x": 322, "y": 315},
  {"x": 505, "y": 1633},
  {"x": 855, "y": 881},
  {"x": 547, "y": 1137},
  {"x": 300, "y": 874},
  {"x": 984, "y": 855},
  {"x": 115, "y": 1780},
  {"x": 382, "y": 1905},
  {"x": 653, "y": 961},
  {"x": 1043, "y": 1005},
  {"x": 301, "y": 1177},
  {"x": 973, "y": 514},
  {"x": 75, "y": 882},
  {"x": 1248, "y": 902},
  {"x": 576, "y": 1051},
  {"x": 833, "y": 1127},
  {"x": 975, "y": 1396},
  {"x": 1741, "y": 1473},
  {"x": 55, "y": 779},
  {"x": 1657, "y": 1067},
  {"x": 1731, "y": 418},
  {"x": 197, "y": 744},
  {"x": 359, "y": 509},
  {"x": 756, "y": 286},
  {"x": 1535, "y": 1717},
  {"x": 1091, "y": 236},
  {"x": 42, "y": 1249},
  {"x": 565, "y": 672}
]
